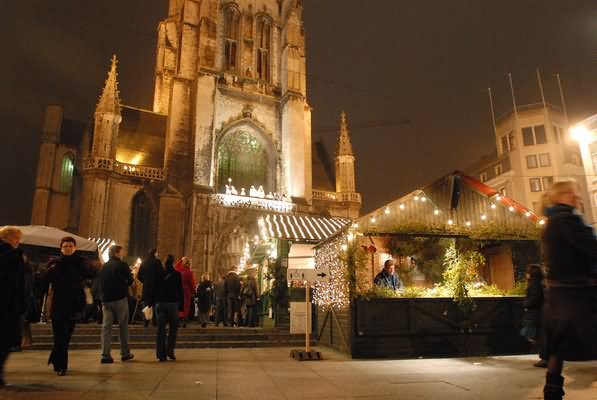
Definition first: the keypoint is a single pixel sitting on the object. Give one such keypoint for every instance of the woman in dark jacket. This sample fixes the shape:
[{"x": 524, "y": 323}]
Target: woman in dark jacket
[
  {"x": 570, "y": 250},
  {"x": 533, "y": 305},
  {"x": 65, "y": 275},
  {"x": 169, "y": 300}
]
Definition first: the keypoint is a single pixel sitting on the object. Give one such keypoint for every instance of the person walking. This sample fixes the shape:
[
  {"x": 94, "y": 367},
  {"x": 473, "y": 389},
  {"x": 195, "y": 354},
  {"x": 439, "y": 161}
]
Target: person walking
[
  {"x": 533, "y": 304},
  {"x": 183, "y": 266},
  {"x": 150, "y": 271},
  {"x": 115, "y": 279},
  {"x": 220, "y": 295},
  {"x": 205, "y": 297},
  {"x": 169, "y": 299},
  {"x": 66, "y": 300},
  {"x": 12, "y": 300},
  {"x": 232, "y": 287},
  {"x": 570, "y": 250}
]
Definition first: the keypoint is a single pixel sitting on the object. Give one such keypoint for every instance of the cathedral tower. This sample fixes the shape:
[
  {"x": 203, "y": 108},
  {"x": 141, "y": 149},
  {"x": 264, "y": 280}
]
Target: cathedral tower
[
  {"x": 96, "y": 182},
  {"x": 350, "y": 201}
]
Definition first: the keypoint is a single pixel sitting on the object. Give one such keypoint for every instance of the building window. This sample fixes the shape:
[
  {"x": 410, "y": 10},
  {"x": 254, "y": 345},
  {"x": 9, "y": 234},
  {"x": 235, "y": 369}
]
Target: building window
[
  {"x": 557, "y": 134},
  {"x": 67, "y": 173},
  {"x": 498, "y": 170},
  {"x": 483, "y": 177},
  {"x": 547, "y": 182},
  {"x": 532, "y": 135},
  {"x": 264, "y": 33},
  {"x": 544, "y": 160},
  {"x": 535, "y": 184},
  {"x": 242, "y": 158},
  {"x": 231, "y": 35},
  {"x": 540, "y": 136},
  {"x": 532, "y": 161},
  {"x": 508, "y": 143}
]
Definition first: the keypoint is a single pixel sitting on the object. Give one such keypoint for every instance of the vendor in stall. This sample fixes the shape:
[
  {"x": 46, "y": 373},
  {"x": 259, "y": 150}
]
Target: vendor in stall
[{"x": 387, "y": 277}]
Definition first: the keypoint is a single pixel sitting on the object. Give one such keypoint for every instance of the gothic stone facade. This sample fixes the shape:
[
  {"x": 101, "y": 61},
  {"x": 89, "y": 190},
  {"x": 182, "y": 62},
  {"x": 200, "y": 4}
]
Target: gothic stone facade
[{"x": 230, "y": 102}]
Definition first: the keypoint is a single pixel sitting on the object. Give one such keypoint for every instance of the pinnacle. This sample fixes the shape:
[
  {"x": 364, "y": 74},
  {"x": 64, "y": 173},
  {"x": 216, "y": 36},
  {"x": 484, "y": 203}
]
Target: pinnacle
[
  {"x": 344, "y": 146},
  {"x": 109, "y": 101}
]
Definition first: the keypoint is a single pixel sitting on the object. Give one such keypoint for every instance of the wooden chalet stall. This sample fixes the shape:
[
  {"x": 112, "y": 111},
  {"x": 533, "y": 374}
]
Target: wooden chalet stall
[{"x": 455, "y": 230}]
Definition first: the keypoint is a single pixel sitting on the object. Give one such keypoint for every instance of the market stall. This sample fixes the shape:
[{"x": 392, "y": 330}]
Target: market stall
[{"x": 460, "y": 250}]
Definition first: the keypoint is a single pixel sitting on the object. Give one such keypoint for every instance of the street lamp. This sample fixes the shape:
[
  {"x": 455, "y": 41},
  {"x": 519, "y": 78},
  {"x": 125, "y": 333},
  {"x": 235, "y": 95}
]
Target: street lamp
[{"x": 581, "y": 134}]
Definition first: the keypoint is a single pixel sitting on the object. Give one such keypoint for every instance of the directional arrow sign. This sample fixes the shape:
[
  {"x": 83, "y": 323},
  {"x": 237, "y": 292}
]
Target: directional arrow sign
[{"x": 311, "y": 275}]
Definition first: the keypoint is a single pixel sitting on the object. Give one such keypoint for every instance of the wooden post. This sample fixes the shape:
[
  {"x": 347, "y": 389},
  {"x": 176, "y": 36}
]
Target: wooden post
[{"x": 307, "y": 318}]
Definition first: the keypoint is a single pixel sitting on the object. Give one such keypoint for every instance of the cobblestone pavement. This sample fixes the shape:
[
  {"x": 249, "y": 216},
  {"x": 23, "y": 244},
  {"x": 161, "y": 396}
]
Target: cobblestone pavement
[{"x": 245, "y": 374}]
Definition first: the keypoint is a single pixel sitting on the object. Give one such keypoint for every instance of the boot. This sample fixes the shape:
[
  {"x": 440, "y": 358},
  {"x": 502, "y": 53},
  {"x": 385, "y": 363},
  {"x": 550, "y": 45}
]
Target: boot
[{"x": 553, "y": 389}]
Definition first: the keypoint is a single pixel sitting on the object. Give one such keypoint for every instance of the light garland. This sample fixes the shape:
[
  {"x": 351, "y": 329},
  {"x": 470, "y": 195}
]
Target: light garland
[{"x": 335, "y": 292}]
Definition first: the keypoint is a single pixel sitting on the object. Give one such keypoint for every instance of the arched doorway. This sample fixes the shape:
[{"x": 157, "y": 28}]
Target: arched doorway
[
  {"x": 243, "y": 157},
  {"x": 141, "y": 233}
]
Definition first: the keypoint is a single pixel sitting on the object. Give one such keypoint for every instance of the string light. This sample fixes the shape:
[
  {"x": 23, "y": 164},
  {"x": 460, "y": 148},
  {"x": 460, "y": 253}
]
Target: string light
[
  {"x": 511, "y": 208},
  {"x": 344, "y": 247},
  {"x": 468, "y": 223},
  {"x": 350, "y": 237},
  {"x": 335, "y": 292},
  {"x": 402, "y": 206},
  {"x": 373, "y": 220},
  {"x": 498, "y": 197},
  {"x": 436, "y": 212},
  {"x": 493, "y": 206},
  {"x": 527, "y": 214},
  {"x": 483, "y": 217},
  {"x": 423, "y": 199},
  {"x": 416, "y": 198},
  {"x": 387, "y": 210},
  {"x": 355, "y": 225},
  {"x": 450, "y": 222},
  {"x": 542, "y": 222}
]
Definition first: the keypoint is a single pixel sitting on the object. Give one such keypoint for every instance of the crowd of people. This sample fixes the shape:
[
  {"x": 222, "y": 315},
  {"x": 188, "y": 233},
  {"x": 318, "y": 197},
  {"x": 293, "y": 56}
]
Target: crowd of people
[{"x": 76, "y": 289}]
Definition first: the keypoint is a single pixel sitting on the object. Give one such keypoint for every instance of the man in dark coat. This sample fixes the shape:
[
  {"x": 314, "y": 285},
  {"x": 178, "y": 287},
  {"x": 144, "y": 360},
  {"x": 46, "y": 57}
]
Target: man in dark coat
[
  {"x": 12, "y": 301},
  {"x": 115, "y": 279},
  {"x": 387, "y": 278},
  {"x": 232, "y": 285},
  {"x": 150, "y": 271}
]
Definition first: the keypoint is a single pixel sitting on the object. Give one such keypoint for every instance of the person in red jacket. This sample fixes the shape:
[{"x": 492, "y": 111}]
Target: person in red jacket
[{"x": 188, "y": 287}]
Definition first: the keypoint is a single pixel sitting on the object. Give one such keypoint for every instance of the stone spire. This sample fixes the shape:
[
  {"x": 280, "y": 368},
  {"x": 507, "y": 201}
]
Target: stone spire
[
  {"x": 109, "y": 101},
  {"x": 344, "y": 147}
]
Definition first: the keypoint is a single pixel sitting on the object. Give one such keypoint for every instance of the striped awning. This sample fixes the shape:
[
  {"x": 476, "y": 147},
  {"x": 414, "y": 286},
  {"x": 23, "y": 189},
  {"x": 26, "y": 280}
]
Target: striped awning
[
  {"x": 103, "y": 244},
  {"x": 300, "y": 228}
]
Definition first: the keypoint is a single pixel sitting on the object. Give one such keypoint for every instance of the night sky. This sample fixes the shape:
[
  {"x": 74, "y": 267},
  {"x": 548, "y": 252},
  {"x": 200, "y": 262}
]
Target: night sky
[{"x": 412, "y": 76}]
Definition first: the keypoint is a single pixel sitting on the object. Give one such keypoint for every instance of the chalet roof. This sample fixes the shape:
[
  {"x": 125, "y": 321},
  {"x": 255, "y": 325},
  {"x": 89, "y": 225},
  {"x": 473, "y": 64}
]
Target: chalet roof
[{"x": 478, "y": 212}]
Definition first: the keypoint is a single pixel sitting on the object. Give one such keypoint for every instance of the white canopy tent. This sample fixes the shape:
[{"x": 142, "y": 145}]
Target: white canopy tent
[{"x": 46, "y": 236}]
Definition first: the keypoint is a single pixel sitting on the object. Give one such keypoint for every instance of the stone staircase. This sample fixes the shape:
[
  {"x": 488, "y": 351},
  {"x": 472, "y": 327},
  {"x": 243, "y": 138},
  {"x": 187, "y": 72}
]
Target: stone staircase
[{"x": 87, "y": 337}]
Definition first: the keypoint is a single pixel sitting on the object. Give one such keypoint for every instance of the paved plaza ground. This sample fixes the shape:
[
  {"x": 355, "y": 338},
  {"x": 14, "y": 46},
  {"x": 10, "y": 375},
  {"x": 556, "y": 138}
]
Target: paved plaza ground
[{"x": 245, "y": 374}]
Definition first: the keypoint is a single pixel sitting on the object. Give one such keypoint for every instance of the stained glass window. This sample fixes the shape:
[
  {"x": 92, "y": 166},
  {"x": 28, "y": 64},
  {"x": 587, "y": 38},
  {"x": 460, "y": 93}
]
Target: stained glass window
[
  {"x": 244, "y": 160},
  {"x": 67, "y": 172}
]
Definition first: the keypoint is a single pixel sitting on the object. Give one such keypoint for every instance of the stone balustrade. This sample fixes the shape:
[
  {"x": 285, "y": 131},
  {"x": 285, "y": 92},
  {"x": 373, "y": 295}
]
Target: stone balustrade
[{"x": 106, "y": 164}]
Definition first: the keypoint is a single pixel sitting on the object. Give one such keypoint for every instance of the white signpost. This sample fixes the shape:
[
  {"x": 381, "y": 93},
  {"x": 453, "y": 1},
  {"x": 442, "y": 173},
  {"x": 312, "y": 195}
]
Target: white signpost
[{"x": 307, "y": 276}]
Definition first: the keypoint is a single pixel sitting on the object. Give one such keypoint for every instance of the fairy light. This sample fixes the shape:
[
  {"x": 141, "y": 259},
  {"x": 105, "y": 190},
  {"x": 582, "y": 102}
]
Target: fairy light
[
  {"x": 350, "y": 237},
  {"x": 511, "y": 208},
  {"x": 335, "y": 292},
  {"x": 387, "y": 210},
  {"x": 423, "y": 199},
  {"x": 527, "y": 214},
  {"x": 450, "y": 222},
  {"x": 344, "y": 247},
  {"x": 493, "y": 206},
  {"x": 373, "y": 220},
  {"x": 355, "y": 225},
  {"x": 483, "y": 217},
  {"x": 416, "y": 198},
  {"x": 468, "y": 223},
  {"x": 402, "y": 206},
  {"x": 542, "y": 222},
  {"x": 436, "y": 212},
  {"x": 498, "y": 197}
]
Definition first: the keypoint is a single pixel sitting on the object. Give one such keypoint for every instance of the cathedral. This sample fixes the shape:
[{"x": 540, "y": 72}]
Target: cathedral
[{"x": 228, "y": 139}]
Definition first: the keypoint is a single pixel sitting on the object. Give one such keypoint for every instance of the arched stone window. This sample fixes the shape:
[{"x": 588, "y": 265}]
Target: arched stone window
[
  {"x": 231, "y": 38},
  {"x": 67, "y": 173},
  {"x": 141, "y": 233},
  {"x": 245, "y": 159},
  {"x": 264, "y": 41}
]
